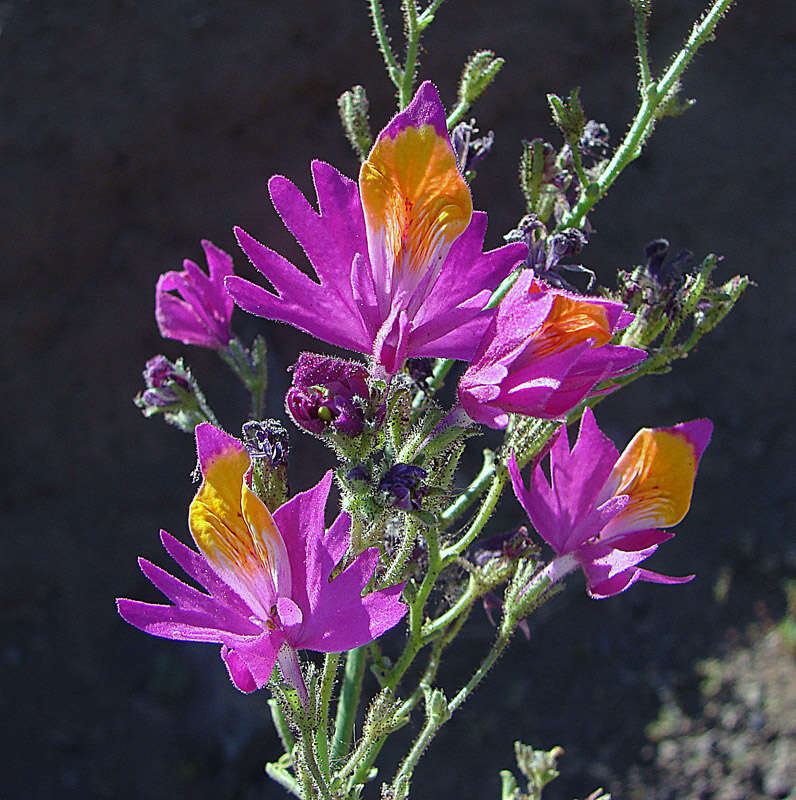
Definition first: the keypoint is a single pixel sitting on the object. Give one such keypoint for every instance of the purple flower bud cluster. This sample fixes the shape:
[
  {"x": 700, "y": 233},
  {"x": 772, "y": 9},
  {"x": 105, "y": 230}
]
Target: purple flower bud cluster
[
  {"x": 267, "y": 441},
  {"x": 330, "y": 394},
  {"x": 403, "y": 487},
  {"x": 162, "y": 377}
]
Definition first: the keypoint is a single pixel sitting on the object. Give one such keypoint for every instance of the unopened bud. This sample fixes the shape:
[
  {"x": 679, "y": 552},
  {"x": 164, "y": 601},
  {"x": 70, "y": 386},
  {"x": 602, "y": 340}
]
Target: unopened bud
[
  {"x": 568, "y": 115},
  {"x": 353, "y": 107},
  {"x": 403, "y": 488},
  {"x": 479, "y": 71}
]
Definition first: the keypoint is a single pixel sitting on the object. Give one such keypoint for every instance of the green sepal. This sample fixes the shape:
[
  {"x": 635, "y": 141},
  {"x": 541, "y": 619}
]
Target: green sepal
[
  {"x": 480, "y": 70},
  {"x": 568, "y": 115},
  {"x": 353, "y": 107}
]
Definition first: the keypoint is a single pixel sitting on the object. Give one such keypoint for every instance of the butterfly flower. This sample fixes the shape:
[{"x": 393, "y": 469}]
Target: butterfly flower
[
  {"x": 266, "y": 576},
  {"x": 398, "y": 256},
  {"x": 602, "y": 511}
]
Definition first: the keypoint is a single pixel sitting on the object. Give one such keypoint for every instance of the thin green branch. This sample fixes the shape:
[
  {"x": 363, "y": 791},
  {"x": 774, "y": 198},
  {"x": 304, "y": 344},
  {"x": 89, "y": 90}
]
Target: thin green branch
[
  {"x": 476, "y": 488},
  {"x": 410, "y": 64},
  {"x": 653, "y": 97},
  {"x": 499, "y": 478},
  {"x": 322, "y": 733},
  {"x": 349, "y": 701},
  {"x": 492, "y": 656},
  {"x": 416, "y": 611},
  {"x": 641, "y": 11},
  {"x": 382, "y": 37},
  {"x": 427, "y": 17}
]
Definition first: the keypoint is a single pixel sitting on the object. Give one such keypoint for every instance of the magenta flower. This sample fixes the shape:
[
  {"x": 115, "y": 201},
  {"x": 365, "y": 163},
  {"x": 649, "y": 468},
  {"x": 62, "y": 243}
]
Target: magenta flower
[
  {"x": 266, "y": 577},
  {"x": 398, "y": 257},
  {"x": 543, "y": 353},
  {"x": 603, "y": 511},
  {"x": 202, "y": 311}
]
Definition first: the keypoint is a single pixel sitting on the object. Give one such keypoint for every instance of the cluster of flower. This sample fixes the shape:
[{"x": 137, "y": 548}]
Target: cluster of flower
[{"x": 400, "y": 274}]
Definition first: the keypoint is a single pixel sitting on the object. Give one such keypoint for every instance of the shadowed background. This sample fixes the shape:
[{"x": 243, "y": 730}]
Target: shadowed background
[{"x": 129, "y": 131}]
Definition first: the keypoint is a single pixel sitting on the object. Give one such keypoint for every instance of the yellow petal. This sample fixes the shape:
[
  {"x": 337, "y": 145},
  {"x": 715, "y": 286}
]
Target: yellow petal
[
  {"x": 657, "y": 470},
  {"x": 414, "y": 197}
]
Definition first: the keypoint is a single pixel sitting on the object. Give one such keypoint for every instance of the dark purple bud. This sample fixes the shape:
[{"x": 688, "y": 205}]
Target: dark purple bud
[
  {"x": 564, "y": 245},
  {"x": 162, "y": 379},
  {"x": 531, "y": 232},
  {"x": 403, "y": 487},
  {"x": 667, "y": 273},
  {"x": 266, "y": 440},
  {"x": 329, "y": 393}
]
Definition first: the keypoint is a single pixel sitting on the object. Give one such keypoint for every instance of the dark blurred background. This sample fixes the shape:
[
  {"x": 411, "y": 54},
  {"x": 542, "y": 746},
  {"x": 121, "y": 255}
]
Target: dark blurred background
[{"x": 131, "y": 130}]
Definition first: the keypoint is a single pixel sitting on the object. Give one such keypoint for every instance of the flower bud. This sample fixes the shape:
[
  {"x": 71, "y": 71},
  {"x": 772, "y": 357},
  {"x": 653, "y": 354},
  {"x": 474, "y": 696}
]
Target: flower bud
[
  {"x": 403, "y": 488},
  {"x": 171, "y": 391},
  {"x": 163, "y": 379},
  {"x": 479, "y": 71},
  {"x": 353, "y": 108},
  {"x": 330, "y": 394}
]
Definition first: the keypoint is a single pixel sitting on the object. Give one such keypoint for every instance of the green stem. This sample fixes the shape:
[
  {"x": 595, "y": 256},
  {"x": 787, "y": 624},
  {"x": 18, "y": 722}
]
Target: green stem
[
  {"x": 640, "y": 13},
  {"x": 644, "y": 121},
  {"x": 472, "y": 492},
  {"x": 427, "y": 17},
  {"x": 309, "y": 759},
  {"x": 461, "y": 108},
  {"x": 393, "y": 573},
  {"x": 282, "y": 728},
  {"x": 499, "y": 478},
  {"x": 412, "y": 42},
  {"x": 380, "y": 30},
  {"x": 464, "y": 603},
  {"x": 349, "y": 701},
  {"x": 322, "y": 733},
  {"x": 492, "y": 656},
  {"x": 276, "y": 772},
  {"x": 434, "y": 721},
  {"x": 416, "y": 609}
]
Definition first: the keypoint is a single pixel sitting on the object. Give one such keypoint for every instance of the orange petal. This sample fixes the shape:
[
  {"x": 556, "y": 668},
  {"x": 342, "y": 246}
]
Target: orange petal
[
  {"x": 657, "y": 470},
  {"x": 415, "y": 200}
]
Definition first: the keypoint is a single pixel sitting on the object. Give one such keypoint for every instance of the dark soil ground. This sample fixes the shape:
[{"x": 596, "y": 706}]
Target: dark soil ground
[{"x": 132, "y": 130}]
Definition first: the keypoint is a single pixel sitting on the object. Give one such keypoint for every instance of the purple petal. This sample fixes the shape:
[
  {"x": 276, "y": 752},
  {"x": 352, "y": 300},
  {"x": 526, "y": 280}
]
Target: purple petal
[
  {"x": 251, "y": 663},
  {"x": 332, "y": 238},
  {"x": 425, "y": 109},
  {"x": 301, "y": 302},
  {"x": 212, "y": 442},
  {"x": 170, "y": 622},
  {"x": 189, "y": 599},
  {"x": 197, "y": 568},
  {"x": 301, "y": 522}
]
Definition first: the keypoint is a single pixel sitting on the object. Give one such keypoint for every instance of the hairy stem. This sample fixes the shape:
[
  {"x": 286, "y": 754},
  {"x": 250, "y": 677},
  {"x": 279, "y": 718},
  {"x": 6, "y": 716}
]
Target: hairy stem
[
  {"x": 653, "y": 96},
  {"x": 349, "y": 701}
]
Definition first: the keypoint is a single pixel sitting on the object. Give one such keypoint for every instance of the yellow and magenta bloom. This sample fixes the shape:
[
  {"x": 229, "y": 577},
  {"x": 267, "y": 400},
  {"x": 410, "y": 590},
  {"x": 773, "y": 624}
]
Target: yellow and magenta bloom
[
  {"x": 602, "y": 511},
  {"x": 266, "y": 576},
  {"x": 543, "y": 353},
  {"x": 398, "y": 256}
]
